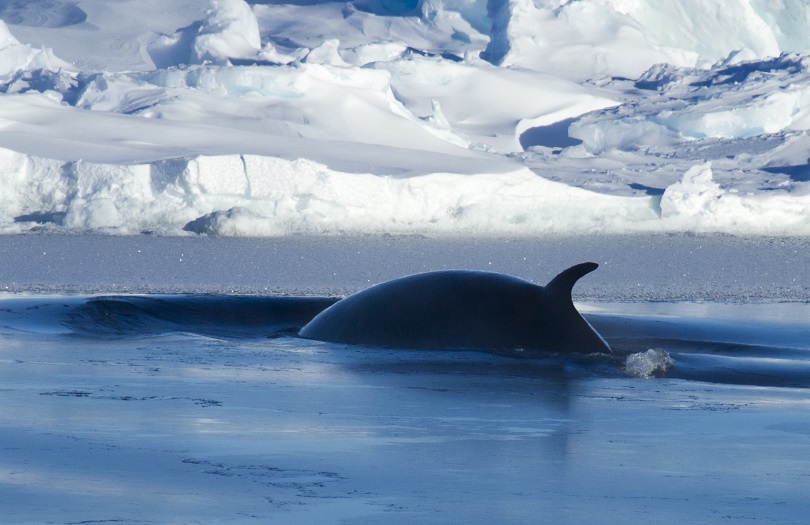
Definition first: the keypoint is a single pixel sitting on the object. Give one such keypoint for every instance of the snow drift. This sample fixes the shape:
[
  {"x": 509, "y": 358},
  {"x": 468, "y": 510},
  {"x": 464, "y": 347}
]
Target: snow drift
[{"x": 437, "y": 116}]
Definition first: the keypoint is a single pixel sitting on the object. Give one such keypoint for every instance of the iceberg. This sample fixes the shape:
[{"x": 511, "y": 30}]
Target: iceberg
[{"x": 243, "y": 118}]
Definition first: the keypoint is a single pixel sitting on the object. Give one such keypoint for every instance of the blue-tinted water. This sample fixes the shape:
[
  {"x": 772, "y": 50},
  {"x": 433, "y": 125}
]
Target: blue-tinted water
[
  {"x": 766, "y": 344},
  {"x": 209, "y": 409}
]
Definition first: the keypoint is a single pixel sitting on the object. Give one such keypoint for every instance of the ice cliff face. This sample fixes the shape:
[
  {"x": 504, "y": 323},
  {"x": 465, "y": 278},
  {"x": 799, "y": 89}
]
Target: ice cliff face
[
  {"x": 572, "y": 39},
  {"x": 624, "y": 38}
]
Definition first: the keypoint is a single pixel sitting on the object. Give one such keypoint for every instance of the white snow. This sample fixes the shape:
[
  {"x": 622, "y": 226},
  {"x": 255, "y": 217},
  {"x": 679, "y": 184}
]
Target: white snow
[
  {"x": 458, "y": 118},
  {"x": 753, "y": 28},
  {"x": 229, "y": 31},
  {"x": 16, "y": 56},
  {"x": 575, "y": 40}
]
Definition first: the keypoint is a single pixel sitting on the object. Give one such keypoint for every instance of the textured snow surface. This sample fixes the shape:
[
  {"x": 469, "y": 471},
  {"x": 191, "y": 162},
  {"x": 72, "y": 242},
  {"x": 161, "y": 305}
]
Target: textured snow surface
[{"x": 444, "y": 117}]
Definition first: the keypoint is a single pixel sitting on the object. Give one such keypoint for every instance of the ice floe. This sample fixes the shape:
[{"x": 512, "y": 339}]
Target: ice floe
[{"x": 438, "y": 116}]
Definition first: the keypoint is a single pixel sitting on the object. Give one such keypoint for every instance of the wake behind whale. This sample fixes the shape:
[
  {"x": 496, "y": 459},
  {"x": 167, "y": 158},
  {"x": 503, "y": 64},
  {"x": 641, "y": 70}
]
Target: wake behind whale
[
  {"x": 211, "y": 315},
  {"x": 740, "y": 344}
]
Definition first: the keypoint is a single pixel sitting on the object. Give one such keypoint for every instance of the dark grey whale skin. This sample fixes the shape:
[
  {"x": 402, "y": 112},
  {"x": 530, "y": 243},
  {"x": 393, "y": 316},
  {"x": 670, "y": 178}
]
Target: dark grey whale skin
[{"x": 460, "y": 309}]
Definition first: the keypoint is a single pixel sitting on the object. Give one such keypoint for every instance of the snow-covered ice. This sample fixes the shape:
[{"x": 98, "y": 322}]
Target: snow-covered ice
[{"x": 511, "y": 117}]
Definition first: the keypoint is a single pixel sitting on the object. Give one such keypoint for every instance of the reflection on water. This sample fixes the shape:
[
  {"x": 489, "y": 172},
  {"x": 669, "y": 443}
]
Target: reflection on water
[
  {"x": 756, "y": 344},
  {"x": 214, "y": 397},
  {"x": 751, "y": 344}
]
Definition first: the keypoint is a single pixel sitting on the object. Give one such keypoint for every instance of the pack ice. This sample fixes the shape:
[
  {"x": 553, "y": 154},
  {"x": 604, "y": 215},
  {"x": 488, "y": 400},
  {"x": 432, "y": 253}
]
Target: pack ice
[{"x": 452, "y": 117}]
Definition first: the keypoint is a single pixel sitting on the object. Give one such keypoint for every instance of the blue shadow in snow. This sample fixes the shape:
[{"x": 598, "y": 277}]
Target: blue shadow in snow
[
  {"x": 375, "y": 7},
  {"x": 551, "y": 136},
  {"x": 799, "y": 173},
  {"x": 649, "y": 190}
]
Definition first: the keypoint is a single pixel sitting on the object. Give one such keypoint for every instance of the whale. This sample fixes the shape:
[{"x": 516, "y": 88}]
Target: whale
[{"x": 462, "y": 309}]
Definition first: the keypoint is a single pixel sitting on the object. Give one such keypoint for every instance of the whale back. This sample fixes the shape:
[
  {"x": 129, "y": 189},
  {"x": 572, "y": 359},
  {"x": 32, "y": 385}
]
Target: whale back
[{"x": 461, "y": 309}]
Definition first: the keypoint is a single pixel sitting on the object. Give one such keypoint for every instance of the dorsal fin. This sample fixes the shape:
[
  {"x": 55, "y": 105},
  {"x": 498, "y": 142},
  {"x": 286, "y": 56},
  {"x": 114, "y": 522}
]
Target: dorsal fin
[{"x": 562, "y": 285}]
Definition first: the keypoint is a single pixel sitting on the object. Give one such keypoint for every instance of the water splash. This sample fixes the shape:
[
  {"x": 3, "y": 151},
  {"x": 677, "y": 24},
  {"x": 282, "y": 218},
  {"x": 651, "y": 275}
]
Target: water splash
[{"x": 652, "y": 363}]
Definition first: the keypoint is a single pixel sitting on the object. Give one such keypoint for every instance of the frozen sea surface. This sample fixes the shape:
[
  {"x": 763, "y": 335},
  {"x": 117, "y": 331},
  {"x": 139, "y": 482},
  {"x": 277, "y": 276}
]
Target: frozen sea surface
[
  {"x": 675, "y": 267},
  {"x": 201, "y": 405}
]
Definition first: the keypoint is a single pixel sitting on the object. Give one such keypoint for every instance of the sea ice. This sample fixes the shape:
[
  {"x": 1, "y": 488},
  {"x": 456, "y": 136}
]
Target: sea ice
[{"x": 246, "y": 97}]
